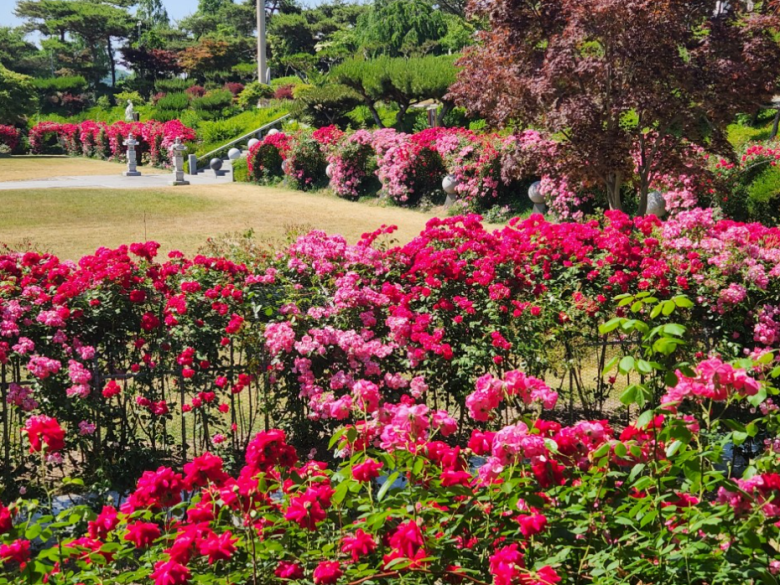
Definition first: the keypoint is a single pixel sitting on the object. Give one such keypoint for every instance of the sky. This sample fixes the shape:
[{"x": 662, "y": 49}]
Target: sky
[{"x": 177, "y": 9}]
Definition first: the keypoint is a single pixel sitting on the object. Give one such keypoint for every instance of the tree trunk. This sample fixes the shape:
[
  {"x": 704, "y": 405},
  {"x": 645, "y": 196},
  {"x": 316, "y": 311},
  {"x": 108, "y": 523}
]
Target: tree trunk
[
  {"x": 399, "y": 117},
  {"x": 613, "y": 183},
  {"x": 775, "y": 125},
  {"x": 446, "y": 108},
  {"x": 111, "y": 61},
  {"x": 643, "y": 190},
  {"x": 374, "y": 113}
]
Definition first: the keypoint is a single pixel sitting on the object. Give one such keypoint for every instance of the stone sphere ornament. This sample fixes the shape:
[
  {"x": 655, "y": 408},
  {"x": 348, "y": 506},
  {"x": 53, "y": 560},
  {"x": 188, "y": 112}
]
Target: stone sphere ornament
[
  {"x": 272, "y": 131},
  {"x": 656, "y": 204},
  {"x": 234, "y": 154},
  {"x": 252, "y": 142},
  {"x": 449, "y": 184},
  {"x": 329, "y": 171},
  {"x": 215, "y": 164},
  {"x": 535, "y": 192},
  {"x": 284, "y": 166}
]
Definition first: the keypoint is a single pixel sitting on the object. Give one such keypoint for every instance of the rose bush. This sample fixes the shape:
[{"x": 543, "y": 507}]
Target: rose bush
[
  {"x": 266, "y": 157},
  {"x": 9, "y": 136},
  {"x": 100, "y": 140},
  {"x": 305, "y": 163},
  {"x": 353, "y": 164},
  {"x": 154, "y": 359},
  {"x": 523, "y": 500}
]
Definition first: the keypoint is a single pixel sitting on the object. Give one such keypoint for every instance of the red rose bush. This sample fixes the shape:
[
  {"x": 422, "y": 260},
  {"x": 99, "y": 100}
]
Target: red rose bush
[{"x": 343, "y": 413}]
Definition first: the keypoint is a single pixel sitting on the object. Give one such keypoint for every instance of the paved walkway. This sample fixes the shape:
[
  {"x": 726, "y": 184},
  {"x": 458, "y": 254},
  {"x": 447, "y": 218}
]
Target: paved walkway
[{"x": 119, "y": 181}]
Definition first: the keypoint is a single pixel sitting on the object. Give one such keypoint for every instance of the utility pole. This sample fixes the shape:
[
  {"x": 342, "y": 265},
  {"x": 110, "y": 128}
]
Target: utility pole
[{"x": 261, "y": 64}]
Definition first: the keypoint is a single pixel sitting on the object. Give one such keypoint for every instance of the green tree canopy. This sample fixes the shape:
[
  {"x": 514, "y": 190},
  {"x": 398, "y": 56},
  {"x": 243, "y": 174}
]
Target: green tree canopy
[
  {"x": 401, "y": 27},
  {"x": 400, "y": 80},
  {"x": 19, "y": 54},
  {"x": 17, "y": 96},
  {"x": 72, "y": 21}
]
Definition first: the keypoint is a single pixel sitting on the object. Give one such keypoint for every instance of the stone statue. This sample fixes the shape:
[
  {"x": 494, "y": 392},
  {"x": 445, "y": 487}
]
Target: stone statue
[
  {"x": 130, "y": 112},
  {"x": 177, "y": 152},
  {"x": 132, "y": 170}
]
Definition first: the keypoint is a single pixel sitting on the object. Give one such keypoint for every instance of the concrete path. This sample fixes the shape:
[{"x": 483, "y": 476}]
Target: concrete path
[{"x": 120, "y": 182}]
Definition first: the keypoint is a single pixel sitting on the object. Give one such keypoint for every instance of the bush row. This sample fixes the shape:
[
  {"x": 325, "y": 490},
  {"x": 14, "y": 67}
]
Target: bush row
[
  {"x": 99, "y": 140},
  {"x": 407, "y": 168},
  {"x": 490, "y": 170}
]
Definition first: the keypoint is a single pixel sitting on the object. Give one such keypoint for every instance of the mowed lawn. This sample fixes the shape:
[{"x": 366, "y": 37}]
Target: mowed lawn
[
  {"x": 73, "y": 222},
  {"x": 28, "y": 168}
]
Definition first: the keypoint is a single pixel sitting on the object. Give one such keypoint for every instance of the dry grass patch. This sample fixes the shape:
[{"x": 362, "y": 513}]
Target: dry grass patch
[
  {"x": 29, "y": 168},
  {"x": 74, "y": 222}
]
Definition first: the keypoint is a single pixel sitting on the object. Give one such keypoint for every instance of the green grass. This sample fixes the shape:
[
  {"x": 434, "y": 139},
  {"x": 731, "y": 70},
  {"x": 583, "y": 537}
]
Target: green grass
[{"x": 66, "y": 207}]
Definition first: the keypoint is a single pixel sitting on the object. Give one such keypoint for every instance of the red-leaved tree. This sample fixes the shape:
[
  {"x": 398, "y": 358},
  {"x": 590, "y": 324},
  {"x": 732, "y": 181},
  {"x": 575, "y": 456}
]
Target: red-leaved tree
[{"x": 623, "y": 82}]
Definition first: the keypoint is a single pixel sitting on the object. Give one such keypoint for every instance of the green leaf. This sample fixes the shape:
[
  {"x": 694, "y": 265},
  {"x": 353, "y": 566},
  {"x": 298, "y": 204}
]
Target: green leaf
[
  {"x": 628, "y": 397},
  {"x": 341, "y": 491},
  {"x": 610, "y": 325},
  {"x": 610, "y": 364},
  {"x": 386, "y": 486},
  {"x": 674, "y": 329},
  {"x": 668, "y": 308},
  {"x": 644, "y": 419},
  {"x": 672, "y": 449},
  {"x": 626, "y": 364},
  {"x": 683, "y": 302},
  {"x": 635, "y": 471},
  {"x": 621, "y": 450},
  {"x": 644, "y": 367},
  {"x": 656, "y": 310}
]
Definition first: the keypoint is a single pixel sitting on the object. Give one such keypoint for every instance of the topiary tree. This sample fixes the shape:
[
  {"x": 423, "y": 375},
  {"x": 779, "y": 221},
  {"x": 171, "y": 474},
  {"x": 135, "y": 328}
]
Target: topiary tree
[
  {"x": 253, "y": 93},
  {"x": 326, "y": 105},
  {"x": 403, "y": 81},
  {"x": 623, "y": 82},
  {"x": 17, "y": 97}
]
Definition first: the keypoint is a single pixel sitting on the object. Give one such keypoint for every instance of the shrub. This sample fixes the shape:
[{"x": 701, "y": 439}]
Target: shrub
[
  {"x": 175, "y": 85},
  {"x": 214, "y": 104},
  {"x": 411, "y": 171},
  {"x": 195, "y": 91},
  {"x": 266, "y": 157},
  {"x": 253, "y": 93},
  {"x": 10, "y": 137},
  {"x": 219, "y": 131},
  {"x": 745, "y": 189},
  {"x": 173, "y": 102},
  {"x": 327, "y": 105},
  {"x": 240, "y": 170},
  {"x": 292, "y": 80},
  {"x": 353, "y": 166},
  {"x": 764, "y": 197},
  {"x": 157, "y": 97},
  {"x": 123, "y": 96},
  {"x": 305, "y": 163},
  {"x": 17, "y": 96},
  {"x": 284, "y": 92},
  {"x": 71, "y": 84},
  {"x": 402, "y": 362},
  {"x": 234, "y": 88}
]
